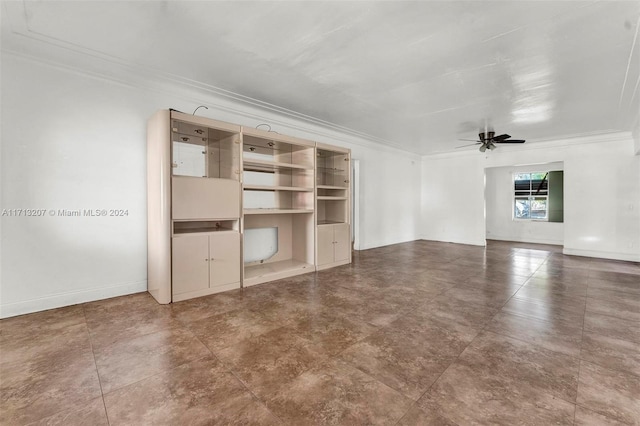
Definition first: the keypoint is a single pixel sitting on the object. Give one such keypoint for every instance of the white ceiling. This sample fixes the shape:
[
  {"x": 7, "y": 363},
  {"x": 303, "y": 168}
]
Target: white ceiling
[{"x": 418, "y": 75}]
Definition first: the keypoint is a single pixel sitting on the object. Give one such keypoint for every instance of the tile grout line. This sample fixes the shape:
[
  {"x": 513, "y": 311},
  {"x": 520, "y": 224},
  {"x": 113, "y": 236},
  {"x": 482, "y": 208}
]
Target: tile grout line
[
  {"x": 329, "y": 358},
  {"x": 244, "y": 385},
  {"x": 577, "y": 390},
  {"x": 600, "y": 334},
  {"x": 451, "y": 363},
  {"x": 502, "y": 307},
  {"x": 579, "y": 360},
  {"x": 137, "y": 336},
  {"x": 159, "y": 372},
  {"x": 404, "y": 313},
  {"x": 75, "y": 408},
  {"x": 484, "y": 328},
  {"x": 95, "y": 363}
]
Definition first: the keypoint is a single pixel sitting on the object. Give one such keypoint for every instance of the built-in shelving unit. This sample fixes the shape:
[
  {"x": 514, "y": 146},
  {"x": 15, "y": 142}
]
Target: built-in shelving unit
[
  {"x": 231, "y": 206},
  {"x": 278, "y": 191},
  {"x": 333, "y": 229},
  {"x": 193, "y": 205}
]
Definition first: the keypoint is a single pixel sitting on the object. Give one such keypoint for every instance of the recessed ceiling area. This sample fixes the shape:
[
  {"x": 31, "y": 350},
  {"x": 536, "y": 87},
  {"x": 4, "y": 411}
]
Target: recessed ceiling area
[{"x": 415, "y": 75}]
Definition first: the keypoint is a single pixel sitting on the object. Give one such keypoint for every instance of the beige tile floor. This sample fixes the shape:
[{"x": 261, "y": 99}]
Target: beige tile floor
[{"x": 411, "y": 334}]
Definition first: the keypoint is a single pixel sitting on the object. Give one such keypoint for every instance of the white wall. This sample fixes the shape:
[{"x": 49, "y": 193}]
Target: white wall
[
  {"x": 636, "y": 135},
  {"x": 601, "y": 193},
  {"x": 453, "y": 199},
  {"x": 499, "y": 209},
  {"x": 74, "y": 140}
]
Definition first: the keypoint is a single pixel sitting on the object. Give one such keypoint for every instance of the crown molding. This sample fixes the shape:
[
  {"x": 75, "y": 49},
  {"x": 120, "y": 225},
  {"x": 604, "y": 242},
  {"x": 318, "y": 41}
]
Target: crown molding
[
  {"x": 20, "y": 41},
  {"x": 543, "y": 144}
]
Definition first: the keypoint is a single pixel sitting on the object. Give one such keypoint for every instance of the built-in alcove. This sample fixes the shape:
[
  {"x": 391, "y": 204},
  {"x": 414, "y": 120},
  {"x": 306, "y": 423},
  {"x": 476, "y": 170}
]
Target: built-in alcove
[
  {"x": 260, "y": 244},
  {"x": 525, "y": 203},
  {"x": 190, "y": 227}
]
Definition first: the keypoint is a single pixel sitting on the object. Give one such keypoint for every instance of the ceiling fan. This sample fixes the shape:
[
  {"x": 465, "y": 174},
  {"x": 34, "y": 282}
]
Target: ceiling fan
[{"x": 488, "y": 140}]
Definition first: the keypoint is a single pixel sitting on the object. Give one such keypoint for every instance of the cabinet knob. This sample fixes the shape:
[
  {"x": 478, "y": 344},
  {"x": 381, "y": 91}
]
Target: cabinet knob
[
  {"x": 206, "y": 260},
  {"x": 212, "y": 258}
]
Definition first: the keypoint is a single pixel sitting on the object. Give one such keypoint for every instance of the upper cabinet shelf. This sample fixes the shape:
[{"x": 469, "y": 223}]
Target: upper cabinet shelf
[
  {"x": 330, "y": 187},
  {"x": 331, "y": 198},
  {"x": 276, "y": 211},
  {"x": 266, "y": 151},
  {"x": 204, "y": 148},
  {"x": 276, "y": 188},
  {"x": 278, "y": 173},
  {"x": 332, "y": 169},
  {"x": 258, "y": 165}
]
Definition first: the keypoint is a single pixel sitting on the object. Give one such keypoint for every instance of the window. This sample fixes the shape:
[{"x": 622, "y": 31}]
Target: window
[{"x": 531, "y": 195}]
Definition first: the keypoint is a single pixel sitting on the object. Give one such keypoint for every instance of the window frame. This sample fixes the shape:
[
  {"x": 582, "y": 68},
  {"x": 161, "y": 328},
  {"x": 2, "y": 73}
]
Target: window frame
[{"x": 530, "y": 197}]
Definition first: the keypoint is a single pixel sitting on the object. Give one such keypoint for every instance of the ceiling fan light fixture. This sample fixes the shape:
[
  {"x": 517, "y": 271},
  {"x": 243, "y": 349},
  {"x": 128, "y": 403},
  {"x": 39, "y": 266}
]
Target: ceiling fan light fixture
[{"x": 489, "y": 140}]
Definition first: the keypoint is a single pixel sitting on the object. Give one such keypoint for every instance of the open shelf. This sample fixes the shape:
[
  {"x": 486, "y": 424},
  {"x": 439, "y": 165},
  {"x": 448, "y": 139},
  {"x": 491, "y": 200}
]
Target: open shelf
[
  {"x": 270, "y": 166},
  {"x": 278, "y": 245},
  {"x": 331, "y": 169},
  {"x": 276, "y": 188},
  {"x": 264, "y": 272},
  {"x": 280, "y": 180},
  {"x": 206, "y": 226},
  {"x": 328, "y": 222},
  {"x": 331, "y": 198},
  {"x": 275, "y": 211},
  {"x": 330, "y": 187}
]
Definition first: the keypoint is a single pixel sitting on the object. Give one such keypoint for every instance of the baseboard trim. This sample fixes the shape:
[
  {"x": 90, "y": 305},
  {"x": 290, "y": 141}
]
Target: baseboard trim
[
  {"x": 628, "y": 257},
  {"x": 527, "y": 240},
  {"x": 370, "y": 245},
  {"x": 68, "y": 299},
  {"x": 480, "y": 243}
]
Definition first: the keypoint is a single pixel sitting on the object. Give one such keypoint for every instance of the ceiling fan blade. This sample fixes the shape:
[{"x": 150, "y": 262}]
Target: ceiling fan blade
[
  {"x": 511, "y": 141},
  {"x": 501, "y": 137},
  {"x": 471, "y": 144},
  {"x": 470, "y": 140}
]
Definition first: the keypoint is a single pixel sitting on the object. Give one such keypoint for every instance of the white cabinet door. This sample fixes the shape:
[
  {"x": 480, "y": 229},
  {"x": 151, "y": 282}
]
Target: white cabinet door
[
  {"x": 325, "y": 244},
  {"x": 224, "y": 249},
  {"x": 190, "y": 263},
  {"x": 204, "y": 198},
  {"x": 342, "y": 242}
]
